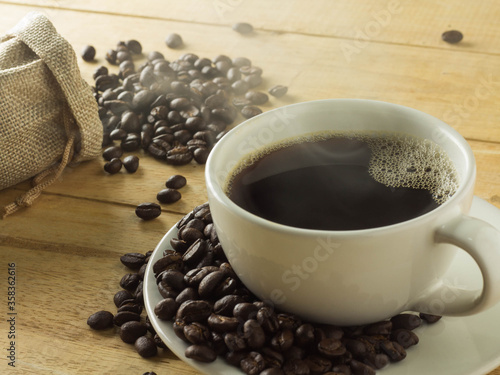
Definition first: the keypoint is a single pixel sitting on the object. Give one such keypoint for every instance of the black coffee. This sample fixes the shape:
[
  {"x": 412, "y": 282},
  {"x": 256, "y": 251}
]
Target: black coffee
[{"x": 344, "y": 182}]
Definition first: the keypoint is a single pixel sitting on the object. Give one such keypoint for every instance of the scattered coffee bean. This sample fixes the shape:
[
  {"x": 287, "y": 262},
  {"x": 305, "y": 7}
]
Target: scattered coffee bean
[
  {"x": 452, "y": 36},
  {"x": 131, "y": 163},
  {"x": 173, "y": 40},
  {"x": 148, "y": 211},
  {"x": 100, "y": 320},
  {"x": 146, "y": 346},
  {"x": 256, "y": 97},
  {"x": 429, "y": 318},
  {"x": 168, "y": 196},
  {"x": 134, "y": 261},
  {"x": 278, "y": 91},
  {"x": 113, "y": 166},
  {"x": 243, "y": 28},
  {"x": 88, "y": 53},
  {"x": 132, "y": 330},
  {"x": 250, "y": 111},
  {"x": 176, "y": 182},
  {"x": 406, "y": 321},
  {"x": 125, "y": 316},
  {"x": 134, "y": 46}
]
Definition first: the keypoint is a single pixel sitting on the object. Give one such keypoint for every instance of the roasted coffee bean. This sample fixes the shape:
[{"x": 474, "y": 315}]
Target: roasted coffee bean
[
  {"x": 134, "y": 261},
  {"x": 166, "y": 309},
  {"x": 198, "y": 250},
  {"x": 116, "y": 135},
  {"x": 131, "y": 143},
  {"x": 179, "y": 156},
  {"x": 179, "y": 245},
  {"x": 131, "y": 163},
  {"x": 134, "y": 46},
  {"x": 210, "y": 283},
  {"x": 253, "y": 363},
  {"x": 304, "y": 335},
  {"x": 359, "y": 368},
  {"x": 222, "y": 324},
  {"x": 100, "y": 71},
  {"x": 242, "y": 27},
  {"x": 318, "y": 364},
  {"x": 278, "y": 91},
  {"x": 268, "y": 319},
  {"x": 241, "y": 61},
  {"x": 194, "y": 311},
  {"x": 256, "y": 97},
  {"x": 296, "y": 367},
  {"x": 186, "y": 295},
  {"x": 168, "y": 196},
  {"x": 429, "y": 318},
  {"x": 149, "y": 373},
  {"x": 282, "y": 340},
  {"x": 202, "y": 353},
  {"x": 234, "y": 342},
  {"x": 250, "y": 111},
  {"x": 159, "y": 342},
  {"x": 132, "y": 307},
  {"x": 394, "y": 350},
  {"x": 254, "y": 334},
  {"x": 201, "y": 155},
  {"x": 88, "y": 53},
  {"x": 452, "y": 36},
  {"x": 406, "y": 321},
  {"x": 245, "y": 311},
  {"x": 148, "y": 211},
  {"x": 253, "y": 80},
  {"x": 100, "y": 320},
  {"x": 404, "y": 337},
  {"x": 125, "y": 316},
  {"x": 197, "y": 333},
  {"x": 289, "y": 321},
  {"x": 113, "y": 166},
  {"x": 174, "y": 278},
  {"x": 294, "y": 352},
  {"x": 379, "y": 328},
  {"x": 194, "y": 276},
  {"x": 247, "y": 70},
  {"x": 173, "y": 40},
  {"x": 121, "y": 296},
  {"x": 377, "y": 361},
  {"x": 331, "y": 347},
  {"x": 171, "y": 261},
  {"x": 131, "y": 331},
  {"x": 146, "y": 346},
  {"x": 225, "y": 305},
  {"x": 112, "y": 152},
  {"x": 240, "y": 87},
  {"x": 176, "y": 182}
]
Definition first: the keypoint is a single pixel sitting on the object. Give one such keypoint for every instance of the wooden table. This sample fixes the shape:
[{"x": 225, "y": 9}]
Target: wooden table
[{"x": 66, "y": 247}]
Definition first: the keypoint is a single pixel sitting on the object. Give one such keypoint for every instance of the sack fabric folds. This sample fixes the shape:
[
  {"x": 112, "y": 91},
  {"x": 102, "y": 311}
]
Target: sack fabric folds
[{"x": 48, "y": 114}]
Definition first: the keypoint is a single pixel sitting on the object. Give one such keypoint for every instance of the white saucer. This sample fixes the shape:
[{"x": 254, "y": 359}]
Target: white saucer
[{"x": 453, "y": 346}]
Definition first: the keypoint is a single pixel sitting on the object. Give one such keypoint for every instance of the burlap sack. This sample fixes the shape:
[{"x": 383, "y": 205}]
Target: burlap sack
[{"x": 48, "y": 115}]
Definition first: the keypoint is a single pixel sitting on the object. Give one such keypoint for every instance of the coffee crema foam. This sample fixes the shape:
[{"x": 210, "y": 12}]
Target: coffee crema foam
[{"x": 398, "y": 160}]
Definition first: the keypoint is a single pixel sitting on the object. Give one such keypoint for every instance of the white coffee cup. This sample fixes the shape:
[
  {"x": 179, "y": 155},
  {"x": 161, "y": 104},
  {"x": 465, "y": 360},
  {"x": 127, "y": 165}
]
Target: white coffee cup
[{"x": 358, "y": 276}]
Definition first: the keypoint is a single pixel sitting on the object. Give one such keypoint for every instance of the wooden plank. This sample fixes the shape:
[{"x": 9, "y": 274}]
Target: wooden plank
[
  {"x": 52, "y": 334},
  {"x": 64, "y": 225},
  {"x": 418, "y": 23},
  {"x": 462, "y": 88}
]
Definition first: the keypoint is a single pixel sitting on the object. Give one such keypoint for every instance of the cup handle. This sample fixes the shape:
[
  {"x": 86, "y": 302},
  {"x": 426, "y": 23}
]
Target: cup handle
[{"x": 482, "y": 241}]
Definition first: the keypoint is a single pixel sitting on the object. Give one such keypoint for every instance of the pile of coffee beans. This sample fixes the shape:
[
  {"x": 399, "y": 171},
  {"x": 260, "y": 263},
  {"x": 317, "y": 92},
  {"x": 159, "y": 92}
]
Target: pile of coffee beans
[
  {"x": 130, "y": 320},
  {"x": 217, "y": 315},
  {"x": 173, "y": 110}
]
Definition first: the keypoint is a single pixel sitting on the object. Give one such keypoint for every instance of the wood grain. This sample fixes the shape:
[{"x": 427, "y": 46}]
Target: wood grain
[{"x": 67, "y": 246}]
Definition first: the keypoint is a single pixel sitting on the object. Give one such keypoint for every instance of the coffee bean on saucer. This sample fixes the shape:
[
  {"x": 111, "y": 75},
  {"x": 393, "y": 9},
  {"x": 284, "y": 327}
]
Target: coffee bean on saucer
[
  {"x": 429, "y": 318},
  {"x": 250, "y": 111},
  {"x": 148, "y": 211},
  {"x": 452, "y": 36},
  {"x": 100, "y": 320},
  {"x": 202, "y": 353}
]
